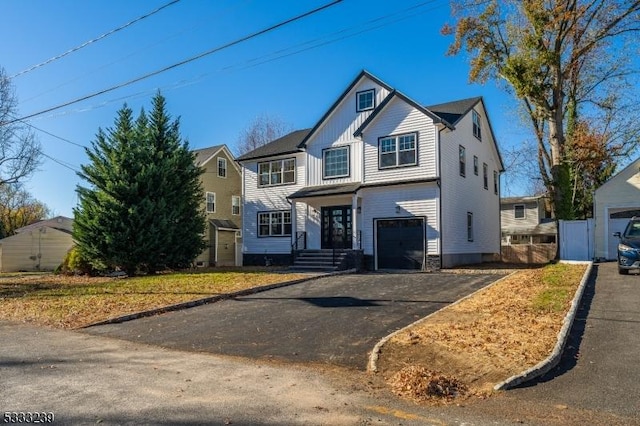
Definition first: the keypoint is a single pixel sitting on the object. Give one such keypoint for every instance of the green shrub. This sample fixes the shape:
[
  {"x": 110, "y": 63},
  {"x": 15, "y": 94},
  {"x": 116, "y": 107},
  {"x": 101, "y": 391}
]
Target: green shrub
[{"x": 74, "y": 264}]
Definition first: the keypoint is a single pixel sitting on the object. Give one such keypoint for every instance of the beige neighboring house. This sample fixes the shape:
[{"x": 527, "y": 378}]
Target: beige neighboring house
[
  {"x": 223, "y": 206},
  {"x": 526, "y": 220},
  {"x": 40, "y": 246},
  {"x": 615, "y": 202}
]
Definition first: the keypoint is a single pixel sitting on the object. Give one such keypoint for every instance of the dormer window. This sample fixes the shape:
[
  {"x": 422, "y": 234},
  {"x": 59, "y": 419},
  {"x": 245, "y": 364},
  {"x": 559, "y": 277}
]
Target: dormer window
[
  {"x": 365, "y": 100},
  {"x": 477, "y": 128}
]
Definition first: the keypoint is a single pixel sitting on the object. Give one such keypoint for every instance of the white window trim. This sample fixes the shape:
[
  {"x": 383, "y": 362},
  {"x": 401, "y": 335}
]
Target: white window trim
[
  {"x": 207, "y": 202},
  {"x": 462, "y": 160},
  {"x": 476, "y": 124},
  {"x": 373, "y": 100},
  {"x": 282, "y": 161},
  {"x": 233, "y": 198},
  {"x": 324, "y": 164},
  {"x": 226, "y": 170},
  {"x": 485, "y": 176},
  {"x": 398, "y": 151},
  {"x": 524, "y": 211}
]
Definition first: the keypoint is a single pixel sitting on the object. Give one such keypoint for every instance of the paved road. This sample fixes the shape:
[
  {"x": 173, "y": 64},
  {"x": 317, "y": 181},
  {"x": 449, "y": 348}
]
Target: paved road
[{"x": 336, "y": 319}]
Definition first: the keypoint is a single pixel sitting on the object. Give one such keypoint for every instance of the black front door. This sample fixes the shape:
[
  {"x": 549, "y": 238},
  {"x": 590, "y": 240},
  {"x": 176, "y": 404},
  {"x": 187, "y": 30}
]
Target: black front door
[{"x": 336, "y": 227}]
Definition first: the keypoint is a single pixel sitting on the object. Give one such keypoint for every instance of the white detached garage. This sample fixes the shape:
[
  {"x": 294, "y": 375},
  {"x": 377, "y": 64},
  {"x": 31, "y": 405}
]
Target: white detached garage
[{"x": 615, "y": 202}]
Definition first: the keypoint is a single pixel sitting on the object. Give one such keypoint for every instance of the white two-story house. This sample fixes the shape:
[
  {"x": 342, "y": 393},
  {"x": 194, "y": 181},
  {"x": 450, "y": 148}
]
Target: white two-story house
[{"x": 401, "y": 185}]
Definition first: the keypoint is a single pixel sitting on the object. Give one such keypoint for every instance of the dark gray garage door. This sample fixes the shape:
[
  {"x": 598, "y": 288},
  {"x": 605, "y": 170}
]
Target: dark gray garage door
[{"x": 400, "y": 243}]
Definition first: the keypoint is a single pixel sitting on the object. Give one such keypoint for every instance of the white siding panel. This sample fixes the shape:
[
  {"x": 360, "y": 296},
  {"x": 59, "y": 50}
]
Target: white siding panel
[
  {"x": 338, "y": 129},
  {"x": 413, "y": 200},
  {"x": 266, "y": 199},
  {"x": 398, "y": 118},
  {"x": 467, "y": 194},
  {"x": 508, "y": 218}
]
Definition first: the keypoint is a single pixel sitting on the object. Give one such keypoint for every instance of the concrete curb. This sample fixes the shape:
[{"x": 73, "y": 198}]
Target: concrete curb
[
  {"x": 552, "y": 360},
  {"x": 211, "y": 299},
  {"x": 372, "y": 366}
]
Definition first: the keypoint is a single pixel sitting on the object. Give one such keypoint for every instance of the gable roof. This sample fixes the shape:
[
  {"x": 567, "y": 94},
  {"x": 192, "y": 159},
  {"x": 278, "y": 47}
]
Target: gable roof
[
  {"x": 287, "y": 144},
  {"x": 61, "y": 223},
  {"x": 452, "y": 112},
  {"x": 394, "y": 93},
  {"x": 204, "y": 155},
  {"x": 625, "y": 174},
  {"x": 335, "y": 105}
]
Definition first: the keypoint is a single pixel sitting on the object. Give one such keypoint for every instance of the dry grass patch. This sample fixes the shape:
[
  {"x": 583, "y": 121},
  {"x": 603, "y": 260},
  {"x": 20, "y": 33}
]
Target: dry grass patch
[
  {"x": 499, "y": 332},
  {"x": 71, "y": 302}
]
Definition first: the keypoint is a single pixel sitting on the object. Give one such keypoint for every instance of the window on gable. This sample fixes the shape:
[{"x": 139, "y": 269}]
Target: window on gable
[
  {"x": 365, "y": 100},
  {"x": 518, "y": 211},
  {"x": 477, "y": 128},
  {"x": 335, "y": 162},
  {"x": 222, "y": 167},
  {"x": 462, "y": 156},
  {"x": 469, "y": 226},
  {"x": 277, "y": 172},
  {"x": 485, "y": 175},
  {"x": 235, "y": 205},
  {"x": 495, "y": 182},
  {"x": 211, "y": 202},
  {"x": 274, "y": 224},
  {"x": 397, "y": 151},
  {"x": 475, "y": 165}
]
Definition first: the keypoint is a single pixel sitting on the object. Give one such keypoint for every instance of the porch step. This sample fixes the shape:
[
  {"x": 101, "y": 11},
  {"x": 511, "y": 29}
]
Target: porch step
[{"x": 319, "y": 260}]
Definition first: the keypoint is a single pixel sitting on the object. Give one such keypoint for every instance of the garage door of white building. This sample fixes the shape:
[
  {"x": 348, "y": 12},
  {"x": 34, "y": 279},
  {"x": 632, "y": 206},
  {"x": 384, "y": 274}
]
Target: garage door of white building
[{"x": 618, "y": 219}]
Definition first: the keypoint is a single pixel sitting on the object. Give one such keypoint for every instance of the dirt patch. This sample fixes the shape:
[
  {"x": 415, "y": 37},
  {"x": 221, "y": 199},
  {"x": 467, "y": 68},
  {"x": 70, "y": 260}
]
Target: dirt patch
[{"x": 489, "y": 337}]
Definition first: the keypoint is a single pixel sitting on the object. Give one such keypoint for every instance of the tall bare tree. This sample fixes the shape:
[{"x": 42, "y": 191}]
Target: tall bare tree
[
  {"x": 563, "y": 59},
  {"x": 19, "y": 149},
  {"x": 262, "y": 130}
]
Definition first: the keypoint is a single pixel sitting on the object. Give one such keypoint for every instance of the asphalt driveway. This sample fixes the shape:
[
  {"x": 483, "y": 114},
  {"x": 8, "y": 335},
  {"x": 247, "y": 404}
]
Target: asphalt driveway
[{"x": 336, "y": 319}]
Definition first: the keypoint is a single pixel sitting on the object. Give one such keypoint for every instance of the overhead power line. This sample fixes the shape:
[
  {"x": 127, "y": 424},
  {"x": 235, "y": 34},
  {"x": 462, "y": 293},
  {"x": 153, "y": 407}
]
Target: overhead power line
[
  {"x": 61, "y": 163},
  {"x": 178, "y": 64},
  {"x": 87, "y": 43}
]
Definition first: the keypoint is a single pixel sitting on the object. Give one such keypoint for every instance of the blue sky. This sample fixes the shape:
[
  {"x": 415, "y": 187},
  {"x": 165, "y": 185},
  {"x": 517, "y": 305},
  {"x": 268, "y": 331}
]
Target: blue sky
[{"x": 295, "y": 72}]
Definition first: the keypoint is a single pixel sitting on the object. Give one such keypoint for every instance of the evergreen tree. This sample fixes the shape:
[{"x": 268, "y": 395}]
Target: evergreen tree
[{"x": 141, "y": 210}]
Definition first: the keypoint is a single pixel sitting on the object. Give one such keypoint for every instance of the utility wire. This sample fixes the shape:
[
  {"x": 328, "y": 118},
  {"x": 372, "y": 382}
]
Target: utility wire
[
  {"x": 87, "y": 43},
  {"x": 186, "y": 61},
  {"x": 60, "y": 162}
]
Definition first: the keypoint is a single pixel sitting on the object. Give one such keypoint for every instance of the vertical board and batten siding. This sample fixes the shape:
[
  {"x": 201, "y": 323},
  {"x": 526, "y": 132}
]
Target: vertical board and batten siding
[
  {"x": 400, "y": 118},
  {"x": 620, "y": 193},
  {"x": 414, "y": 200},
  {"x": 507, "y": 213},
  {"x": 467, "y": 194},
  {"x": 338, "y": 130},
  {"x": 267, "y": 198}
]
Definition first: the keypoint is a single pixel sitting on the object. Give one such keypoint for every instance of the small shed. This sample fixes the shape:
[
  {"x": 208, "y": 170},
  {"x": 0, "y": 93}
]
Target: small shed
[
  {"x": 615, "y": 202},
  {"x": 40, "y": 246}
]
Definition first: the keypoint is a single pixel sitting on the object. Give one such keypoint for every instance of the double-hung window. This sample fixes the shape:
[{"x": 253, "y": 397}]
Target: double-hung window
[
  {"x": 274, "y": 224},
  {"x": 335, "y": 162},
  {"x": 475, "y": 165},
  {"x": 477, "y": 128},
  {"x": 235, "y": 205},
  {"x": 365, "y": 100},
  {"x": 485, "y": 175},
  {"x": 495, "y": 182},
  {"x": 277, "y": 172},
  {"x": 211, "y": 202},
  {"x": 462, "y": 159},
  {"x": 222, "y": 167},
  {"x": 469, "y": 226},
  {"x": 397, "y": 151},
  {"x": 519, "y": 211}
]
